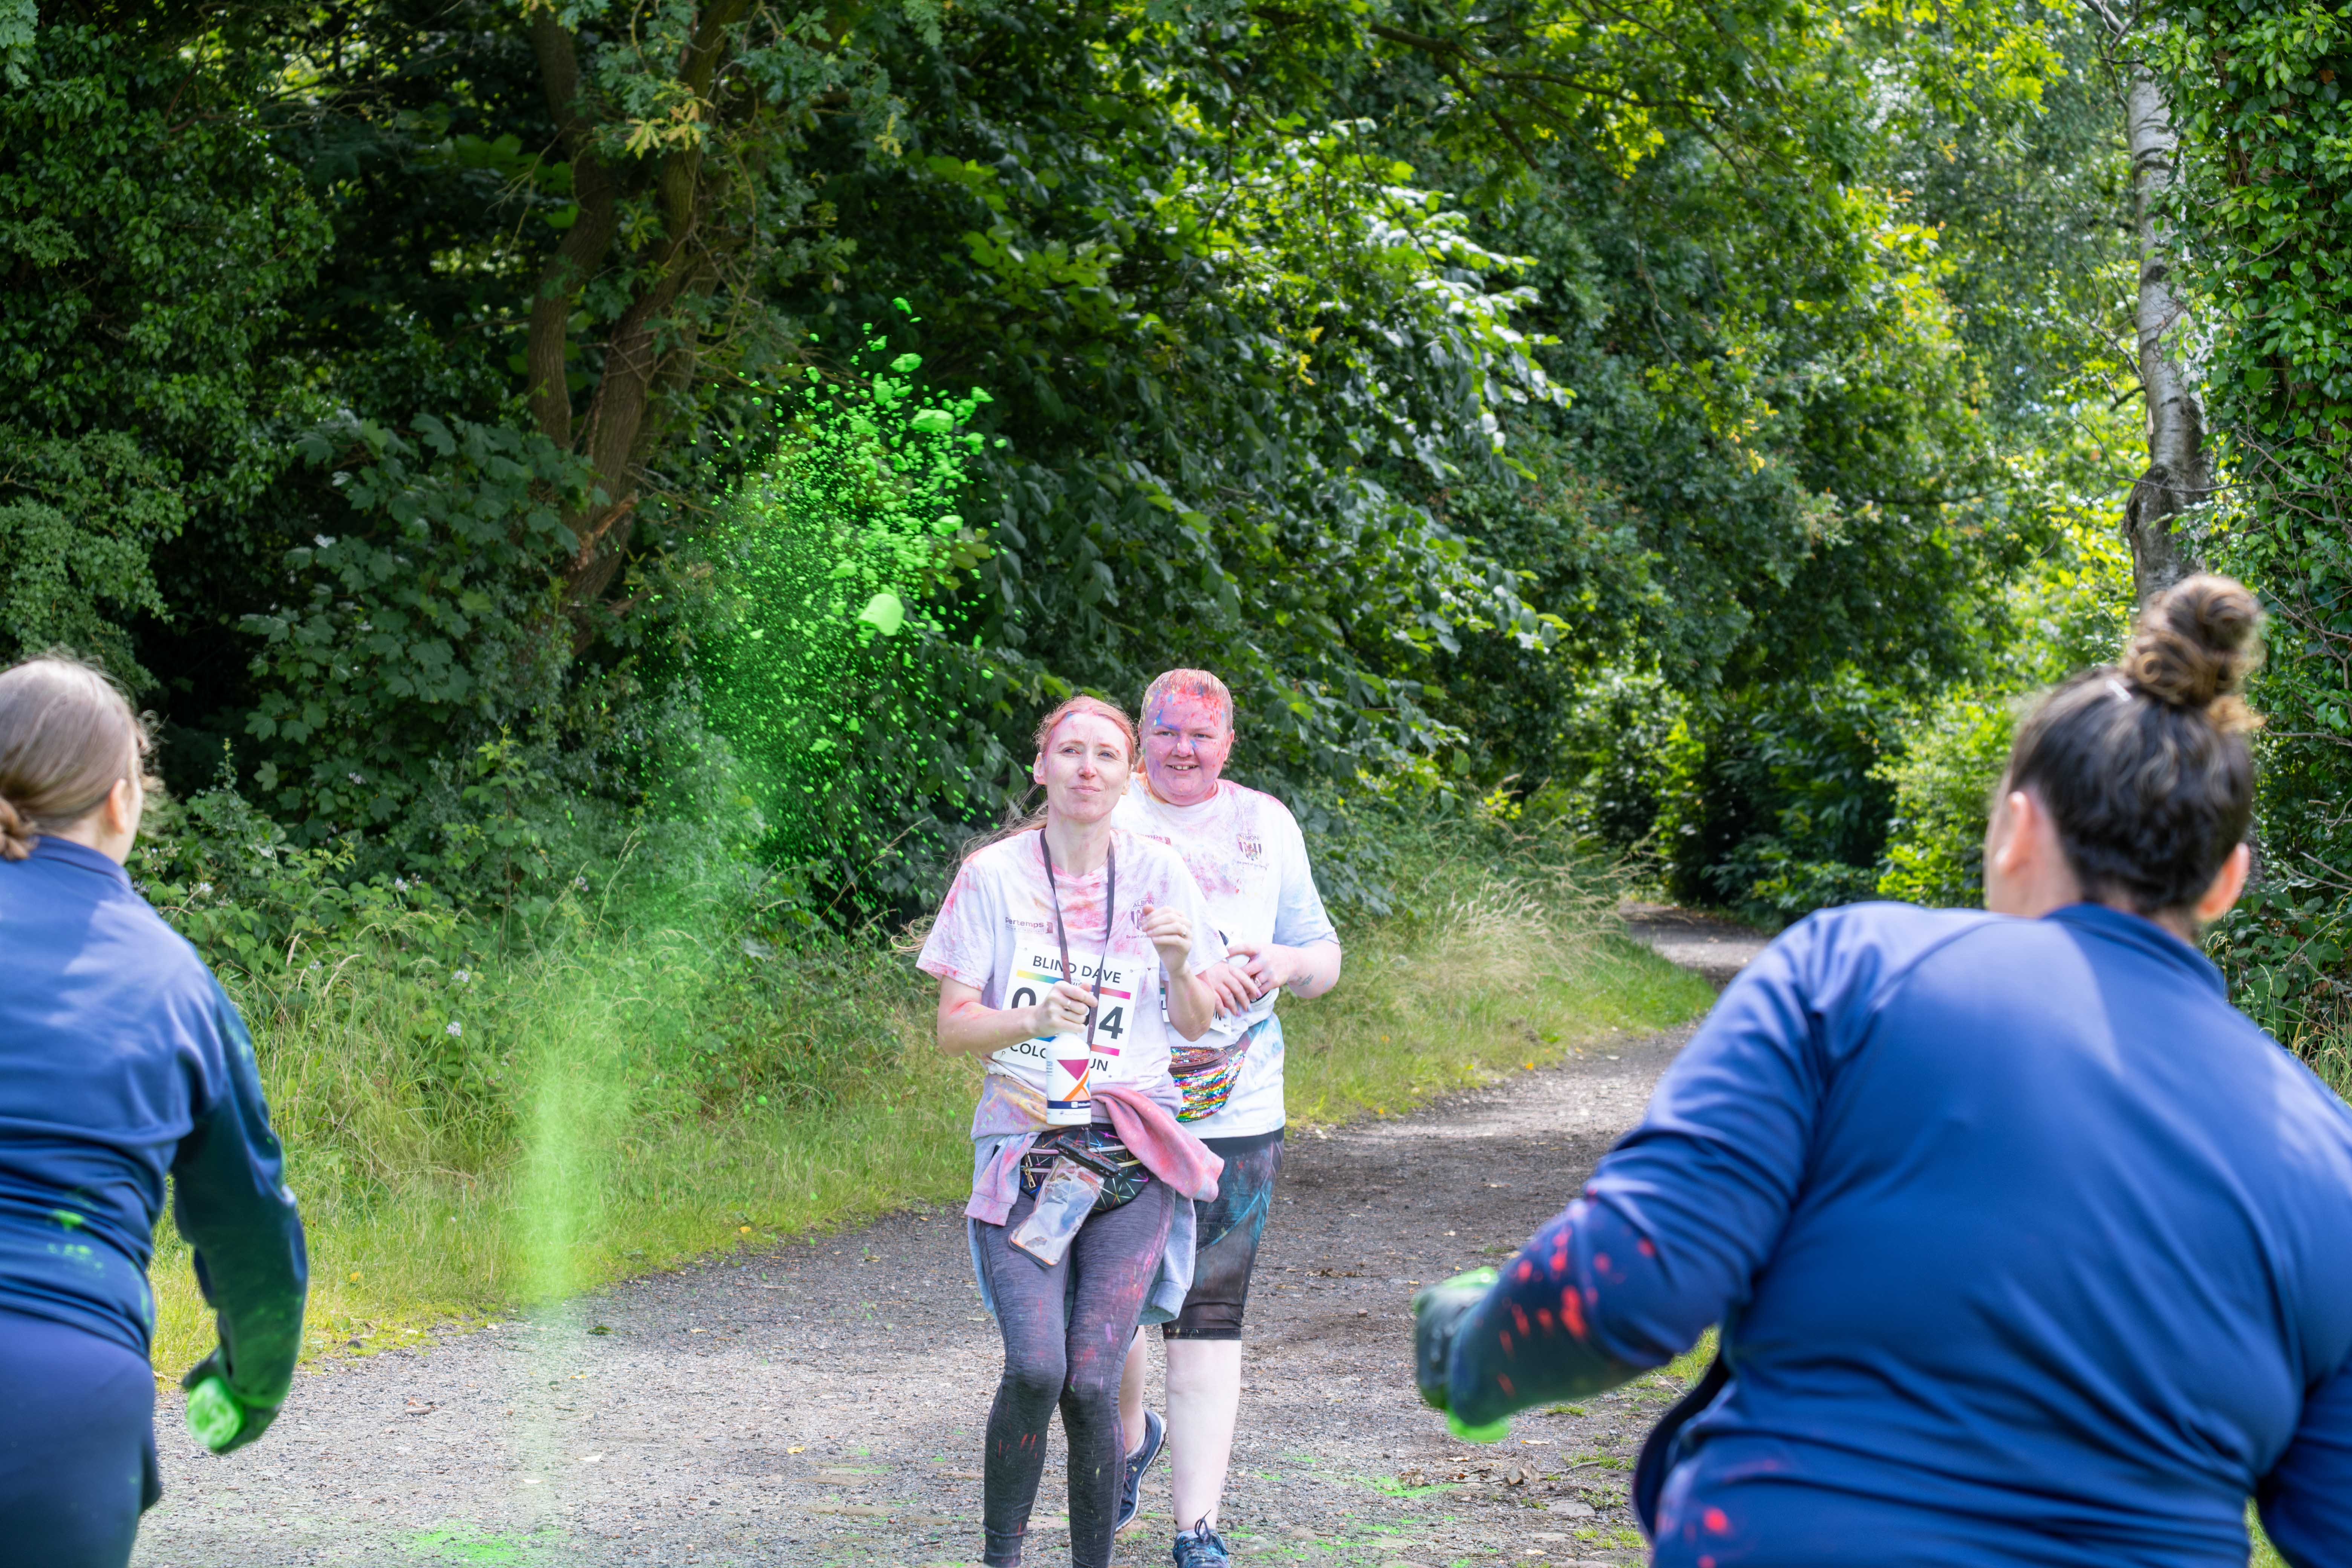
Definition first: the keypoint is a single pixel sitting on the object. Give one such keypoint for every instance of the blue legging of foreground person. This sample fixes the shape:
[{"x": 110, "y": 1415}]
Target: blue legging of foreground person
[
  {"x": 2027, "y": 1248},
  {"x": 76, "y": 1444}
]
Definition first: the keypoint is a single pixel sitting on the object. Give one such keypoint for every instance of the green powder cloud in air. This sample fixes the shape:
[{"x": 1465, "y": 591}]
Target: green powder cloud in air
[{"x": 832, "y": 666}]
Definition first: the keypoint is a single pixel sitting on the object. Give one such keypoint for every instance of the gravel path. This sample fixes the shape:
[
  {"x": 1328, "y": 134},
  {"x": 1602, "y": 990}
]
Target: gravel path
[
  {"x": 820, "y": 1402},
  {"x": 1716, "y": 948}
]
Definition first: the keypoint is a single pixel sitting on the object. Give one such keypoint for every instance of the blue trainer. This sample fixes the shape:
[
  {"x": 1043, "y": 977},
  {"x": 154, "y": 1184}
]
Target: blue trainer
[
  {"x": 1130, "y": 1491},
  {"x": 1200, "y": 1547}
]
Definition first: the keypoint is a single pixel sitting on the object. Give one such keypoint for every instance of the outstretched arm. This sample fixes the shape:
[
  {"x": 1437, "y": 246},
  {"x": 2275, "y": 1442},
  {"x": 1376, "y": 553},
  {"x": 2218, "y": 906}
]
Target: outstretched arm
[
  {"x": 1542, "y": 1331},
  {"x": 1671, "y": 1227}
]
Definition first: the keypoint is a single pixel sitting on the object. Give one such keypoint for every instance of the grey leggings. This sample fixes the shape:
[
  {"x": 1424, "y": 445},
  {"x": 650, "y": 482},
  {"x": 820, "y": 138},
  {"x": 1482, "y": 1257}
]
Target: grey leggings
[{"x": 1065, "y": 1336}]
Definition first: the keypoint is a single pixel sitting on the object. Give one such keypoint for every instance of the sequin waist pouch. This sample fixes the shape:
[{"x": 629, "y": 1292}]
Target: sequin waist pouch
[{"x": 1205, "y": 1074}]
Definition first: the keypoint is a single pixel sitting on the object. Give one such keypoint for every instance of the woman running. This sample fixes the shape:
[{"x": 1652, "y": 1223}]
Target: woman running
[
  {"x": 2027, "y": 1249},
  {"x": 120, "y": 1060},
  {"x": 1054, "y": 950}
]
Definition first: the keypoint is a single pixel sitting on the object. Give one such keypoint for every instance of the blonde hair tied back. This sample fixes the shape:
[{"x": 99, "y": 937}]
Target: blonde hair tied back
[{"x": 67, "y": 736}]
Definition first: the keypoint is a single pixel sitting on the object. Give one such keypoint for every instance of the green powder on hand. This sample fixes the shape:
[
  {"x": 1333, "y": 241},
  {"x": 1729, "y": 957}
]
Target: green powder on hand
[
  {"x": 1493, "y": 1432},
  {"x": 214, "y": 1417}
]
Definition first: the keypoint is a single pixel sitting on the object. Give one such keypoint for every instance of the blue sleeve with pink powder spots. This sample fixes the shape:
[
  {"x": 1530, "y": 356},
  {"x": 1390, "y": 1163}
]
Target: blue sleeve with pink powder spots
[
  {"x": 2025, "y": 1245},
  {"x": 1680, "y": 1215}
]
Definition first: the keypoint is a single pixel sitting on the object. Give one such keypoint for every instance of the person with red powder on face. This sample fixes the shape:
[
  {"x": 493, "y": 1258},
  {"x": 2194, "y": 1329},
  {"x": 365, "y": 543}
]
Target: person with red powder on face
[
  {"x": 1245, "y": 851},
  {"x": 1053, "y": 952},
  {"x": 2026, "y": 1246}
]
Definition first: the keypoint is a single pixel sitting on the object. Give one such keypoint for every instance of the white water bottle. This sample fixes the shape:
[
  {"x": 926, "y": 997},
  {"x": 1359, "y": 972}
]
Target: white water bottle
[{"x": 1069, "y": 1099}]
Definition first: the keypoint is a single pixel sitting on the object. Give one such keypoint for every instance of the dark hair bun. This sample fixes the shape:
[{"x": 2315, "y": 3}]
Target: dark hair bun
[{"x": 2195, "y": 644}]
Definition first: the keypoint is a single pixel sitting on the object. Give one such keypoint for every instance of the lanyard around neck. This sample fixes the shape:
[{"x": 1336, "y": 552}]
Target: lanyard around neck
[{"x": 1062, "y": 934}]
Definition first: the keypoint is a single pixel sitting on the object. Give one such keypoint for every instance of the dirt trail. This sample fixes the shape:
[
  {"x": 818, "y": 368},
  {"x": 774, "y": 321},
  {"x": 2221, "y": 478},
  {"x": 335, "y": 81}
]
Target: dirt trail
[{"x": 820, "y": 1403}]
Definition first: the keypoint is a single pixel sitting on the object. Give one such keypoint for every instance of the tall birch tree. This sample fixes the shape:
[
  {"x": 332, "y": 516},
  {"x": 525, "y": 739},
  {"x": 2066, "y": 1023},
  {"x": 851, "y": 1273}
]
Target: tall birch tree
[{"x": 2180, "y": 472}]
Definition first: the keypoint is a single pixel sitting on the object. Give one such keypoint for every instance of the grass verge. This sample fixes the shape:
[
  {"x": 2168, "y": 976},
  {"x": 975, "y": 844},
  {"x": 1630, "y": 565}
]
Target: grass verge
[{"x": 470, "y": 1133}]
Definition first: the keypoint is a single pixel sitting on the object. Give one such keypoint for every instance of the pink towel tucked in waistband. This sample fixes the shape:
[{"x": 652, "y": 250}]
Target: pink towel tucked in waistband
[
  {"x": 1011, "y": 1109},
  {"x": 1156, "y": 1138}
]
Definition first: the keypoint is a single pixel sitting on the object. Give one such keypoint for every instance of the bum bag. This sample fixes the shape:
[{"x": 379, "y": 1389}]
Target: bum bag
[
  {"x": 1094, "y": 1148},
  {"x": 1205, "y": 1074}
]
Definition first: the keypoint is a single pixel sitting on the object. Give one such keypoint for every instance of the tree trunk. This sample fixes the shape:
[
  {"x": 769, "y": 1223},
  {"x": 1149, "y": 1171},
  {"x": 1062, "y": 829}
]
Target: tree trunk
[
  {"x": 2180, "y": 467},
  {"x": 646, "y": 351}
]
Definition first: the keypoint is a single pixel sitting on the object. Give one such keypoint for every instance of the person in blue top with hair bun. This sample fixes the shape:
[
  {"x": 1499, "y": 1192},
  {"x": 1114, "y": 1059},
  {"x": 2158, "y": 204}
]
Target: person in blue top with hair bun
[
  {"x": 121, "y": 1060},
  {"x": 2027, "y": 1249}
]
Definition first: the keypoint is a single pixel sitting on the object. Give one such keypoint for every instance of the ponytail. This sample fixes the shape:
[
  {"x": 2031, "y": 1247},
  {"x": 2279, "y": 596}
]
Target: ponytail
[{"x": 16, "y": 836}]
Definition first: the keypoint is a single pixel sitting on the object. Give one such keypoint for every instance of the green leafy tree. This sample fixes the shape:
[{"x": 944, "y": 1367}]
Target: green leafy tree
[
  {"x": 151, "y": 248},
  {"x": 2265, "y": 121}
]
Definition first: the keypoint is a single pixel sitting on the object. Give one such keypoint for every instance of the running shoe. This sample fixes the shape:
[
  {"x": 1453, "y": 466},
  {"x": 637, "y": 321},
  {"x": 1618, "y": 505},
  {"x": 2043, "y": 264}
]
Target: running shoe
[
  {"x": 1131, "y": 1493},
  {"x": 1200, "y": 1547}
]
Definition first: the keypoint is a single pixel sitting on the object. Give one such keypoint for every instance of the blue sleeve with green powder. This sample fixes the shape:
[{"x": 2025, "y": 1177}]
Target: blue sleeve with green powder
[
  {"x": 122, "y": 1063},
  {"x": 231, "y": 1203}
]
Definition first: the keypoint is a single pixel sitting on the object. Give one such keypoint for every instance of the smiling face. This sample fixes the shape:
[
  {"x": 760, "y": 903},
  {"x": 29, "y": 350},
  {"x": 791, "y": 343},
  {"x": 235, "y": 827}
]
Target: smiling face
[
  {"x": 1186, "y": 736},
  {"x": 1084, "y": 767}
]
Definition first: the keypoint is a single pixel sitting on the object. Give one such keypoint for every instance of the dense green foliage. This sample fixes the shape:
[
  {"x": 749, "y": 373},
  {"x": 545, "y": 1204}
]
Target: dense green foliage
[
  {"x": 2266, "y": 193},
  {"x": 2069, "y": 611},
  {"x": 1651, "y": 417},
  {"x": 1830, "y": 398}
]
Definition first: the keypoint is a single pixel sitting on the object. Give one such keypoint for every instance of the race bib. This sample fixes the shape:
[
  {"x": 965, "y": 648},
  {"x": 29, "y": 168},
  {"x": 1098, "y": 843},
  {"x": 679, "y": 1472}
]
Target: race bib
[{"x": 1057, "y": 1055}]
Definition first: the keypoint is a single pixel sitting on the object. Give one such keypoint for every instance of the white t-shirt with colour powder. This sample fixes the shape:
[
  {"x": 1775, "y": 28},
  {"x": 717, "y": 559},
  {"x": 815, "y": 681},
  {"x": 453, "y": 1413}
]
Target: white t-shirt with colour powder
[
  {"x": 996, "y": 931},
  {"x": 1245, "y": 850}
]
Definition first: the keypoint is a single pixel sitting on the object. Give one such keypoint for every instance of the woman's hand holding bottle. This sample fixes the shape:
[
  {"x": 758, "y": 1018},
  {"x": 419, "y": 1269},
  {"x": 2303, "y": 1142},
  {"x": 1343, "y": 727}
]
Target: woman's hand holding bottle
[{"x": 1064, "y": 1011}]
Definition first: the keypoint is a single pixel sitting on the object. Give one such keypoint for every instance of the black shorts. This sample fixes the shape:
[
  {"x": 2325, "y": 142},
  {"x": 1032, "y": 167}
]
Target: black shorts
[{"x": 1227, "y": 1228}]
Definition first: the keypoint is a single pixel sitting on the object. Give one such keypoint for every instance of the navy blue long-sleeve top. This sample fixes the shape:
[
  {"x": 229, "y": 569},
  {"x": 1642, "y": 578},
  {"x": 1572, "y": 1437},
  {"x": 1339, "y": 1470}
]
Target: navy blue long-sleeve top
[
  {"x": 2027, "y": 1248},
  {"x": 122, "y": 1059}
]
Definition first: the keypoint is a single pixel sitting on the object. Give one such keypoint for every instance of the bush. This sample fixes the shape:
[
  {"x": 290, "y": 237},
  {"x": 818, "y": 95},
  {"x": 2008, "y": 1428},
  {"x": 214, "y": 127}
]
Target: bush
[
  {"x": 2283, "y": 950},
  {"x": 1773, "y": 803},
  {"x": 2071, "y": 610},
  {"x": 1943, "y": 797}
]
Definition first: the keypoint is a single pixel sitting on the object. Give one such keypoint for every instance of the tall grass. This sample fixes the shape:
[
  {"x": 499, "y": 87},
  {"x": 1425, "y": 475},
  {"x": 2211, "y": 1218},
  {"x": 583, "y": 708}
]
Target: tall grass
[
  {"x": 660, "y": 1077},
  {"x": 1494, "y": 958}
]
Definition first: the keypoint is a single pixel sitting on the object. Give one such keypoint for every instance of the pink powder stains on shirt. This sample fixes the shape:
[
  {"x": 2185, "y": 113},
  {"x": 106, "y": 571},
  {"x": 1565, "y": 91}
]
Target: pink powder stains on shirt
[
  {"x": 963, "y": 942},
  {"x": 1226, "y": 838}
]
